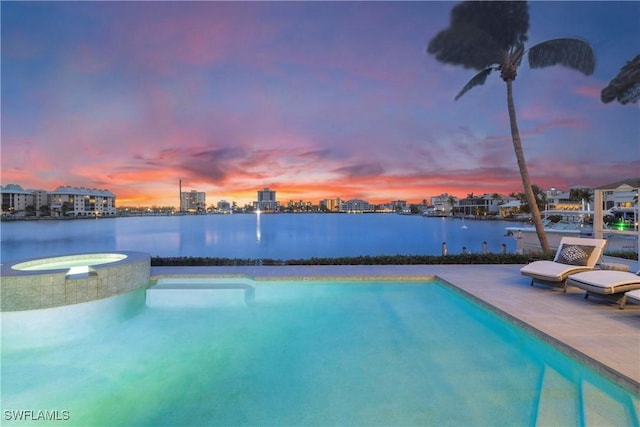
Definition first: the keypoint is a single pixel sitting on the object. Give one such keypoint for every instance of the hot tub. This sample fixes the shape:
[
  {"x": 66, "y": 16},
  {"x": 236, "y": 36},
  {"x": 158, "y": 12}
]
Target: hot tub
[
  {"x": 71, "y": 279},
  {"x": 70, "y": 261}
]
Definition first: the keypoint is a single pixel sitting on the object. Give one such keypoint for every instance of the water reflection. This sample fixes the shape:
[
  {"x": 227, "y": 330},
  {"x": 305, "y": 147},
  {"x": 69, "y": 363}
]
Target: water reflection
[
  {"x": 258, "y": 230},
  {"x": 277, "y": 236}
]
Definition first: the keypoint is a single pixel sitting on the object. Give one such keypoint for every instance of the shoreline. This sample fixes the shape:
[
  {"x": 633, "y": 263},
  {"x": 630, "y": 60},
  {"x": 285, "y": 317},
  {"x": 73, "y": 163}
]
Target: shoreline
[{"x": 9, "y": 218}]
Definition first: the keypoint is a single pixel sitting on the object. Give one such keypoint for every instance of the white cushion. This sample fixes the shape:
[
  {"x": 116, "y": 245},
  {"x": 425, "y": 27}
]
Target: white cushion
[
  {"x": 634, "y": 296},
  {"x": 550, "y": 269},
  {"x": 605, "y": 281}
]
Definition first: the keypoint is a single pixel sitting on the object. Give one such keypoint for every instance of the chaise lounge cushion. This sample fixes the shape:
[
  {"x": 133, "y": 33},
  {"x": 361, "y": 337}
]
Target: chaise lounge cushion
[
  {"x": 634, "y": 296},
  {"x": 551, "y": 271},
  {"x": 605, "y": 282}
]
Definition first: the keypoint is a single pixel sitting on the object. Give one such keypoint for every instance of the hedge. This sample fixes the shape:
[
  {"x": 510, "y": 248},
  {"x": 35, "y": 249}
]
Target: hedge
[{"x": 468, "y": 258}]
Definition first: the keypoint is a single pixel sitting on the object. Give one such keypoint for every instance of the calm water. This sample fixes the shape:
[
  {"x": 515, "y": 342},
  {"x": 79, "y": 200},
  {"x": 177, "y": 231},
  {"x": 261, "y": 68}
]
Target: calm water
[
  {"x": 307, "y": 353},
  {"x": 281, "y": 236}
]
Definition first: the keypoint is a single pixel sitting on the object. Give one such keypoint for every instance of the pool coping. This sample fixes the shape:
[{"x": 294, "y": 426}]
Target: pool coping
[{"x": 610, "y": 344}]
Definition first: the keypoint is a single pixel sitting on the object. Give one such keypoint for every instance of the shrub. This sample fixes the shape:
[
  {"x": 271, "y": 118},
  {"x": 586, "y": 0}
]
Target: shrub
[{"x": 468, "y": 258}]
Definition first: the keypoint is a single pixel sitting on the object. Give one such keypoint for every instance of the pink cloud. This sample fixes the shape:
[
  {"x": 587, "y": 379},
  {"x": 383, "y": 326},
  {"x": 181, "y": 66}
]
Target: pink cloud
[
  {"x": 198, "y": 33},
  {"x": 590, "y": 91}
]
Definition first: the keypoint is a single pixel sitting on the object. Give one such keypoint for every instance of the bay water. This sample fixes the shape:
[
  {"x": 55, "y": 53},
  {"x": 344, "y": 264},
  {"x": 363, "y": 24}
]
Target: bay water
[{"x": 251, "y": 236}]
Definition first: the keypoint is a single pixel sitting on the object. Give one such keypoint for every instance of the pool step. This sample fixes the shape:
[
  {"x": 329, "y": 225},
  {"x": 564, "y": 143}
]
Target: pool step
[
  {"x": 557, "y": 405},
  {"x": 600, "y": 409},
  {"x": 200, "y": 293},
  {"x": 565, "y": 402}
]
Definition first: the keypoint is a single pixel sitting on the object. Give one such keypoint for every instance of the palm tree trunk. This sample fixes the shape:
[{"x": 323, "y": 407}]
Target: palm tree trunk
[{"x": 524, "y": 172}]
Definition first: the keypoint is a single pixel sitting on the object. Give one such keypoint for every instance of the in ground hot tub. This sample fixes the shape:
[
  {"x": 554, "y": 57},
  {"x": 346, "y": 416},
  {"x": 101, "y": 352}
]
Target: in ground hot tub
[
  {"x": 68, "y": 262},
  {"x": 56, "y": 281}
]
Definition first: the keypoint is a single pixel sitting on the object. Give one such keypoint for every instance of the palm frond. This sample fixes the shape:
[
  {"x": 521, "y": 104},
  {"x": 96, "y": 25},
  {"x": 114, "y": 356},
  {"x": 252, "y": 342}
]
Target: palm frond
[
  {"x": 625, "y": 87},
  {"x": 517, "y": 53},
  {"x": 467, "y": 46},
  {"x": 477, "y": 80},
  {"x": 505, "y": 22},
  {"x": 481, "y": 33},
  {"x": 572, "y": 53}
]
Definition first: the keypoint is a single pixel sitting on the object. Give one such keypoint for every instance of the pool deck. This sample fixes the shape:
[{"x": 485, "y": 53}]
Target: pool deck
[{"x": 594, "y": 330}]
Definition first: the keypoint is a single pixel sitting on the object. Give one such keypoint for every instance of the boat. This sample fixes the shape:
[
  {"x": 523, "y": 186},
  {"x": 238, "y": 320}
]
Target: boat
[
  {"x": 623, "y": 225},
  {"x": 576, "y": 223},
  {"x": 557, "y": 224},
  {"x": 621, "y": 218},
  {"x": 435, "y": 213}
]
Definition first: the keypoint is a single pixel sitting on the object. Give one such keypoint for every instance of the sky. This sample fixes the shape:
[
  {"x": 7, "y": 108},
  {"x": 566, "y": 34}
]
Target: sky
[{"x": 315, "y": 100}]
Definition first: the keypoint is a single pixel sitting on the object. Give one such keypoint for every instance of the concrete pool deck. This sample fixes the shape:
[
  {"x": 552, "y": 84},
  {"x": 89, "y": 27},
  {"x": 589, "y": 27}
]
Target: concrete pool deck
[{"x": 595, "y": 331}]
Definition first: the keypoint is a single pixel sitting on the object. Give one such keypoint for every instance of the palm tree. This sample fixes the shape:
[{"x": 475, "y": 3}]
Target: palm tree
[
  {"x": 583, "y": 195},
  {"x": 452, "y": 202},
  {"x": 540, "y": 198},
  {"x": 490, "y": 36},
  {"x": 66, "y": 207},
  {"x": 625, "y": 87}
]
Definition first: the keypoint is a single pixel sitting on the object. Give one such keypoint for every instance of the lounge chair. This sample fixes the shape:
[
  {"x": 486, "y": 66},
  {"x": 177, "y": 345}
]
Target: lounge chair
[
  {"x": 633, "y": 296},
  {"x": 573, "y": 256},
  {"x": 608, "y": 284}
]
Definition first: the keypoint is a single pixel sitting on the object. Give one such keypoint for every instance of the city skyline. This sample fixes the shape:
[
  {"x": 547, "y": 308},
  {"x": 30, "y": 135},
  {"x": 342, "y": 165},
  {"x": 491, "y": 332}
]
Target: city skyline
[
  {"x": 324, "y": 100},
  {"x": 15, "y": 187}
]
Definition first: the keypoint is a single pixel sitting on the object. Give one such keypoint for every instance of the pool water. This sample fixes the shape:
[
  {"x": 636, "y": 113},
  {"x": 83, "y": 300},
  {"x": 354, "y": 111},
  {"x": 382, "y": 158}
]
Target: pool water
[{"x": 306, "y": 353}]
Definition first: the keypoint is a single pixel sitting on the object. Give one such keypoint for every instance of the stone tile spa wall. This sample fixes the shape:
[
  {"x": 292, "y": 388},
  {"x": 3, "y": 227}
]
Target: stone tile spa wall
[{"x": 115, "y": 273}]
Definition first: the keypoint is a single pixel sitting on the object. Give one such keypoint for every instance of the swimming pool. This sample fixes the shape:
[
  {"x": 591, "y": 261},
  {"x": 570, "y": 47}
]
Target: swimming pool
[{"x": 304, "y": 353}]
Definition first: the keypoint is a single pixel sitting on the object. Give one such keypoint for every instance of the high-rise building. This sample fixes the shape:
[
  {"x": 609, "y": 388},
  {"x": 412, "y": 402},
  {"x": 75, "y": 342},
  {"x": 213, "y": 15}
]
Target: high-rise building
[
  {"x": 330, "y": 205},
  {"x": 193, "y": 201},
  {"x": 266, "y": 200},
  {"x": 223, "y": 205}
]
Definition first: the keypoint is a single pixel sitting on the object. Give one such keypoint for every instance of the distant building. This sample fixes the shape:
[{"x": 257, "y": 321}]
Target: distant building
[
  {"x": 511, "y": 208},
  {"x": 80, "y": 201},
  {"x": 440, "y": 204},
  {"x": 398, "y": 205},
  {"x": 266, "y": 201},
  {"x": 624, "y": 195},
  {"x": 561, "y": 200},
  {"x": 301, "y": 206},
  {"x": 40, "y": 199},
  {"x": 15, "y": 199},
  {"x": 356, "y": 206},
  {"x": 193, "y": 201},
  {"x": 224, "y": 207},
  {"x": 482, "y": 205},
  {"x": 64, "y": 200},
  {"x": 330, "y": 205}
]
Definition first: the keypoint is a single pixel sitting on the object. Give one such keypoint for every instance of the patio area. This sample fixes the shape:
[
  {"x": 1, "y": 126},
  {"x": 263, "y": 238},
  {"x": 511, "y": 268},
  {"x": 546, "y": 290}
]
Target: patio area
[{"x": 593, "y": 330}]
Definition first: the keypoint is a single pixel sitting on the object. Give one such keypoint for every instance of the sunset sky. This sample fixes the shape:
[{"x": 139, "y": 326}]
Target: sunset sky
[{"x": 314, "y": 100}]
